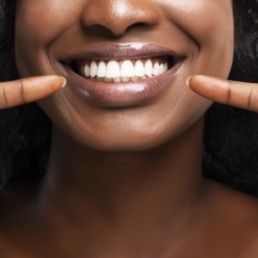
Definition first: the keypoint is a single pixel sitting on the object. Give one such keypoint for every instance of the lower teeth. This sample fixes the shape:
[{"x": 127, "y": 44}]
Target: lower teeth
[{"x": 118, "y": 79}]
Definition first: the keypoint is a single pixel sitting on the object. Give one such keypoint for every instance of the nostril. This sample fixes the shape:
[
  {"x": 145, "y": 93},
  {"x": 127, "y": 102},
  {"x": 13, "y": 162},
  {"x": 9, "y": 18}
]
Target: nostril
[
  {"x": 100, "y": 29},
  {"x": 105, "y": 31},
  {"x": 137, "y": 25},
  {"x": 115, "y": 18}
]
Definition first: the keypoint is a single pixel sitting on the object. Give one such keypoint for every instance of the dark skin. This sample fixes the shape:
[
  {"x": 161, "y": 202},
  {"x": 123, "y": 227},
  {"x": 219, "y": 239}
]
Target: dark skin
[{"x": 126, "y": 181}]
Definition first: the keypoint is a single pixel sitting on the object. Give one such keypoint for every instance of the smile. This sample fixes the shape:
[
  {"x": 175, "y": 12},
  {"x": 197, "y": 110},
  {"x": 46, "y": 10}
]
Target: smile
[
  {"x": 113, "y": 75},
  {"x": 123, "y": 70}
]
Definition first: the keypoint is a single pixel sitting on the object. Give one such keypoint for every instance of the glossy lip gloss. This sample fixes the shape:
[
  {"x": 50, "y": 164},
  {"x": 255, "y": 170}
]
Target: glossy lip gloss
[{"x": 120, "y": 94}]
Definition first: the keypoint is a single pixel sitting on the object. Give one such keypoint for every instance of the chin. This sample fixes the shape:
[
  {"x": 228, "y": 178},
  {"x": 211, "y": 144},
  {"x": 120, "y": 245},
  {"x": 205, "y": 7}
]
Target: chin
[
  {"x": 128, "y": 144},
  {"x": 135, "y": 140}
]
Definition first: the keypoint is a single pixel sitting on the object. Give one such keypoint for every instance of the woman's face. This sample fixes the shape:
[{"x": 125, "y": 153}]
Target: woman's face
[{"x": 126, "y": 63}]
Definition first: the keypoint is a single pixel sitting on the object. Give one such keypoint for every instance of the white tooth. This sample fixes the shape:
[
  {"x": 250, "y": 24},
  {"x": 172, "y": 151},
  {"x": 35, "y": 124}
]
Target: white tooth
[
  {"x": 155, "y": 71},
  {"x": 127, "y": 69},
  {"x": 113, "y": 69},
  {"x": 161, "y": 68},
  {"x": 101, "y": 70},
  {"x": 148, "y": 68},
  {"x": 166, "y": 66},
  {"x": 93, "y": 69},
  {"x": 125, "y": 79},
  {"x": 86, "y": 71},
  {"x": 139, "y": 69},
  {"x": 117, "y": 79}
]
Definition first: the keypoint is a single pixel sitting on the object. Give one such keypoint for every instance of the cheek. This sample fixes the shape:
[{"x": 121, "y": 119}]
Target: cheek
[
  {"x": 210, "y": 25},
  {"x": 31, "y": 31},
  {"x": 216, "y": 41},
  {"x": 200, "y": 19},
  {"x": 37, "y": 24},
  {"x": 44, "y": 19}
]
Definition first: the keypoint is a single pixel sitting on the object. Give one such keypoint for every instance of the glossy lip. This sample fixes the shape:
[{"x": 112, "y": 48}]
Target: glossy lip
[
  {"x": 107, "y": 51},
  {"x": 121, "y": 94}
]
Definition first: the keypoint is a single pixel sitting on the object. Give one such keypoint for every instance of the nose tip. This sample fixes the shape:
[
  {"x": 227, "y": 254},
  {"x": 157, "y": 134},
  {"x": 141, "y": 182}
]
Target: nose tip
[{"x": 116, "y": 17}]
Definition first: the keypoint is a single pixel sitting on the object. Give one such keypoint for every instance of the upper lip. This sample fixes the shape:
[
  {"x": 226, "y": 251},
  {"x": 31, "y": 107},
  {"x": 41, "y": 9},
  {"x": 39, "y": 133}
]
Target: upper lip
[{"x": 107, "y": 51}]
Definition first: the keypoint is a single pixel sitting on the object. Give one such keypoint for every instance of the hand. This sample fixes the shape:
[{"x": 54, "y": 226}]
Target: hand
[
  {"x": 238, "y": 94},
  {"x": 27, "y": 90}
]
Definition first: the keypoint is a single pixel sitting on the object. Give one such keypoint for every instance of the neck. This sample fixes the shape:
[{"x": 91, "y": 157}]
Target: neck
[{"x": 97, "y": 188}]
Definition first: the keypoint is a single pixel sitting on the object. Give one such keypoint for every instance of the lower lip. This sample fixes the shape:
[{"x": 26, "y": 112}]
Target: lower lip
[{"x": 121, "y": 94}]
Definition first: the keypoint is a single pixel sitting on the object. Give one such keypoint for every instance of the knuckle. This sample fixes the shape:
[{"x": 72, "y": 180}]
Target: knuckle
[
  {"x": 22, "y": 91},
  {"x": 249, "y": 103},
  {"x": 229, "y": 93},
  {"x": 4, "y": 96},
  {"x": 4, "y": 102}
]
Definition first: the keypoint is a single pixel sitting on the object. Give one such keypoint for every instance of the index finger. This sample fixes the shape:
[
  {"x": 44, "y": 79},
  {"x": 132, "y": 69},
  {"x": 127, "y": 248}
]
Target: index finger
[
  {"x": 238, "y": 94},
  {"x": 22, "y": 91}
]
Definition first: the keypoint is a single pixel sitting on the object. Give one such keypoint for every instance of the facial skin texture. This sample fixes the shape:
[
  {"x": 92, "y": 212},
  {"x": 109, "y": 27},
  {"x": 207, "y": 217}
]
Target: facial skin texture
[
  {"x": 192, "y": 29},
  {"x": 100, "y": 196}
]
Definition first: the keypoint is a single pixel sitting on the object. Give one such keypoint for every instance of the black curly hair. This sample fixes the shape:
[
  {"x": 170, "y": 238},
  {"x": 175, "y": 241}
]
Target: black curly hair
[
  {"x": 230, "y": 137},
  {"x": 231, "y": 134},
  {"x": 25, "y": 130}
]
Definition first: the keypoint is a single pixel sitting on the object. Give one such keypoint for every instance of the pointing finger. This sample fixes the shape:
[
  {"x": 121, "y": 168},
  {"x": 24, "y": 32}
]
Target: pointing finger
[
  {"x": 238, "y": 94},
  {"x": 27, "y": 90}
]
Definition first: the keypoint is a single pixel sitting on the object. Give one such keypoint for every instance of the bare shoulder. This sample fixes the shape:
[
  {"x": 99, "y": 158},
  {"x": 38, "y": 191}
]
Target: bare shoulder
[
  {"x": 236, "y": 218},
  {"x": 232, "y": 199}
]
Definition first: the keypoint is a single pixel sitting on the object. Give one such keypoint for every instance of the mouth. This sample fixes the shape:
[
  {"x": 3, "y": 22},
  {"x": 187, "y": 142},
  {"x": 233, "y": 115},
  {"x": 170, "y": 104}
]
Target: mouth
[
  {"x": 128, "y": 70},
  {"x": 132, "y": 72},
  {"x": 129, "y": 63}
]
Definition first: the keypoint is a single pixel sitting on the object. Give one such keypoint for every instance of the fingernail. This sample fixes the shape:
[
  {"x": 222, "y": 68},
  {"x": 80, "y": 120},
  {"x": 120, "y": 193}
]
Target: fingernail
[
  {"x": 64, "y": 81},
  {"x": 188, "y": 80},
  {"x": 53, "y": 81}
]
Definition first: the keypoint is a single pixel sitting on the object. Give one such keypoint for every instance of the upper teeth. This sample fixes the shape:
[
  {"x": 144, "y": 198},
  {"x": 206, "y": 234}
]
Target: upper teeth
[{"x": 123, "y": 71}]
